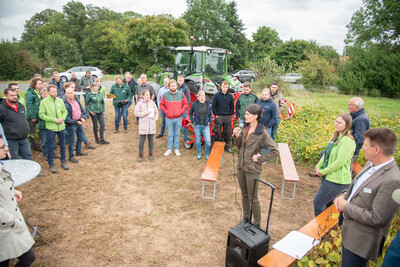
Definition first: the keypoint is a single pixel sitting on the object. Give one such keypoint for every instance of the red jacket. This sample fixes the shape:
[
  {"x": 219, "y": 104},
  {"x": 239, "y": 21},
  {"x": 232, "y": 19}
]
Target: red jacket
[{"x": 173, "y": 105}]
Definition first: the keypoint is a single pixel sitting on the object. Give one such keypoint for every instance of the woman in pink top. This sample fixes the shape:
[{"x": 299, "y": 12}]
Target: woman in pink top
[{"x": 147, "y": 112}]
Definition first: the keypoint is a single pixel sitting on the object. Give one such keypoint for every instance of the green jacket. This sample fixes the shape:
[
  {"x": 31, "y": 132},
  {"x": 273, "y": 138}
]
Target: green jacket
[
  {"x": 122, "y": 92},
  {"x": 338, "y": 169},
  {"x": 94, "y": 102},
  {"x": 243, "y": 102},
  {"x": 103, "y": 91},
  {"x": 50, "y": 110},
  {"x": 32, "y": 104},
  {"x": 21, "y": 100}
]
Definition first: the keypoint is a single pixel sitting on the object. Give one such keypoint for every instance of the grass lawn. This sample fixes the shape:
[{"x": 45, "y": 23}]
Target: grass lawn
[{"x": 373, "y": 105}]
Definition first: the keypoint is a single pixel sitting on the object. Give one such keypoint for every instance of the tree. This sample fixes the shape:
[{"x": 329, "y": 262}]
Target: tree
[
  {"x": 265, "y": 40},
  {"x": 293, "y": 51},
  {"x": 105, "y": 47},
  {"x": 76, "y": 19},
  {"x": 36, "y": 23},
  {"x": 317, "y": 72},
  {"x": 377, "y": 21},
  {"x": 207, "y": 20},
  {"x": 144, "y": 35},
  {"x": 239, "y": 41}
]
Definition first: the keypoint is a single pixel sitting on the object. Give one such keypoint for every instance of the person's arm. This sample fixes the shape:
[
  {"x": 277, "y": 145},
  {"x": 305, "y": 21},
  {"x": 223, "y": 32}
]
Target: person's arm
[
  {"x": 162, "y": 104},
  {"x": 140, "y": 112},
  {"x": 87, "y": 103},
  {"x": 153, "y": 93},
  {"x": 155, "y": 111},
  {"x": 185, "y": 104},
  {"x": 238, "y": 108},
  {"x": 360, "y": 128},
  {"x": 210, "y": 112},
  {"x": 269, "y": 144},
  {"x": 282, "y": 105},
  {"x": 43, "y": 113},
  {"x": 81, "y": 84},
  {"x": 231, "y": 105},
  {"x": 214, "y": 106},
  {"x": 239, "y": 136},
  {"x": 191, "y": 112},
  {"x": 129, "y": 93},
  {"x": 345, "y": 149},
  {"x": 29, "y": 105},
  {"x": 380, "y": 212},
  {"x": 273, "y": 116},
  {"x": 3, "y": 136}
]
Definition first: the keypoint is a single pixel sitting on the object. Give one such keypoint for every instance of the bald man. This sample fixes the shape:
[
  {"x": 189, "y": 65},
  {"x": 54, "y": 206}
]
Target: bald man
[{"x": 360, "y": 123}]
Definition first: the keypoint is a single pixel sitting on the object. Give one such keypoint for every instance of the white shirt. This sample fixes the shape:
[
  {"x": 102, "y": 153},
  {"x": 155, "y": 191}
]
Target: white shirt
[{"x": 365, "y": 176}]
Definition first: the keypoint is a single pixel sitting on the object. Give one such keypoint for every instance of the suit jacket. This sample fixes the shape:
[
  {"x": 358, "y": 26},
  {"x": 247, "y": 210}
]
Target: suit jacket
[{"x": 368, "y": 215}]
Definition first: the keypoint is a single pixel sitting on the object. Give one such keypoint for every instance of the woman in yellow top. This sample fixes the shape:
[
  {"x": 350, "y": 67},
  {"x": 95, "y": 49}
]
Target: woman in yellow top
[{"x": 334, "y": 165}]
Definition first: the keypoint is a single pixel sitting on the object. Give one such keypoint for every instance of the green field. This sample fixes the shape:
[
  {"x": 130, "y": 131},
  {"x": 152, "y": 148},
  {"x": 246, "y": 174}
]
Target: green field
[{"x": 338, "y": 102}]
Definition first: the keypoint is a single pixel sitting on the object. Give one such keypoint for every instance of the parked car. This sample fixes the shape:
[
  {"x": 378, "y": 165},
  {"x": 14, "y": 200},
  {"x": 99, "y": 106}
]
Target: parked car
[
  {"x": 80, "y": 72},
  {"x": 291, "y": 77},
  {"x": 245, "y": 75}
]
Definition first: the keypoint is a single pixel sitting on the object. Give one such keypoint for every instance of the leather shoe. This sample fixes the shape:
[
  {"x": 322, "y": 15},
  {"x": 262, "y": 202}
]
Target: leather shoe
[
  {"x": 73, "y": 160},
  {"x": 64, "y": 165},
  {"x": 159, "y": 136},
  {"x": 80, "y": 153}
]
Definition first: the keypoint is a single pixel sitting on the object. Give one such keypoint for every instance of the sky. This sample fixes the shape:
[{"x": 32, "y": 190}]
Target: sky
[{"x": 323, "y": 21}]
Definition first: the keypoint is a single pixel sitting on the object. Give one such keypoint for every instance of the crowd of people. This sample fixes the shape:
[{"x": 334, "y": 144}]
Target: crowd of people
[{"x": 56, "y": 111}]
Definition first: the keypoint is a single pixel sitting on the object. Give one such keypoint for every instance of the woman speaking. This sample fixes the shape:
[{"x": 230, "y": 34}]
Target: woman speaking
[{"x": 250, "y": 141}]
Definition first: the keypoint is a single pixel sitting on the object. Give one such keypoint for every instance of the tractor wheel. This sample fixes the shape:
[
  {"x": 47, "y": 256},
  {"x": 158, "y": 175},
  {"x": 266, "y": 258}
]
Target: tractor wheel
[{"x": 187, "y": 144}]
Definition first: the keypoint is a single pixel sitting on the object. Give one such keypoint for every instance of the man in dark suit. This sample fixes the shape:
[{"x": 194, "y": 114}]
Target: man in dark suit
[{"x": 367, "y": 206}]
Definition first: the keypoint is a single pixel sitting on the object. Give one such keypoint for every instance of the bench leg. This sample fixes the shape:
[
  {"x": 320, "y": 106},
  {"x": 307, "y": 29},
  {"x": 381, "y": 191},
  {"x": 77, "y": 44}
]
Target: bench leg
[
  {"x": 283, "y": 190},
  {"x": 34, "y": 229},
  {"x": 214, "y": 189}
]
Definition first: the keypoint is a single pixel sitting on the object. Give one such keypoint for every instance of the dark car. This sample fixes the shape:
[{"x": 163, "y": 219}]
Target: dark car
[{"x": 245, "y": 75}]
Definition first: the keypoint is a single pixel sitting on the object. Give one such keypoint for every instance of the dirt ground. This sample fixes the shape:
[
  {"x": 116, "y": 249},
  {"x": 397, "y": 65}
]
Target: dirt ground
[{"x": 110, "y": 210}]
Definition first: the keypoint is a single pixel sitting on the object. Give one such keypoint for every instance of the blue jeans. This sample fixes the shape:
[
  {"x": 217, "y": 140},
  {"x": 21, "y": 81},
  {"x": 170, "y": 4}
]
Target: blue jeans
[
  {"x": 326, "y": 194},
  {"x": 73, "y": 130},
  {"x": 265, "y": 150},
  {"x": 198, "y": 131},
  {"x": 162, "y": 130},
  {"x": 84, "y": 97},
  {"x": 275, "y": 128},
  {"x": 50, "y": 143},
  {"x": 121, "y": 111},
  {"x": 174, "y": 131},
  {"x": 184, "y": 130},
  {"x": 43, "y": 138},
  {"x": 350, "y": 259},
  {"x": 20, "y": 147}
]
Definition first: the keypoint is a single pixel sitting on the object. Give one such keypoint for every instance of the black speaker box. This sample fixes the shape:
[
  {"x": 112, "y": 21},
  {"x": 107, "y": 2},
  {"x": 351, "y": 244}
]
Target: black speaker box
[{"x": 247, "y": 243}]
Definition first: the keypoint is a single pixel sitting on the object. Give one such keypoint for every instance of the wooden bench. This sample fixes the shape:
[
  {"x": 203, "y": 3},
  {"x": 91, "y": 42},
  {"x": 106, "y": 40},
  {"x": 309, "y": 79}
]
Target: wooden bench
[
  {"x": 356, "y": 167},
  {"x": 316, "y": 228},
  {"x": 288, "y": 168},
  {"x": 211, "y": 169}
]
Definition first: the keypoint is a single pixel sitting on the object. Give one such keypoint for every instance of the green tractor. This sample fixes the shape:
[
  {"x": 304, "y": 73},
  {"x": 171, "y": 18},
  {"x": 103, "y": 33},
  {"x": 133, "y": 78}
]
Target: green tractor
[{"x": 204, "y": 68}]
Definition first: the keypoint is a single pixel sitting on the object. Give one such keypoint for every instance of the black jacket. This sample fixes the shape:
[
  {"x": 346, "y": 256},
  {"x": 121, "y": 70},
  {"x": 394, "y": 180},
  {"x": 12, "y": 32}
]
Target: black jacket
[
  {"x": 14, "y": 123},
  {"x": 223, "y": 104}
]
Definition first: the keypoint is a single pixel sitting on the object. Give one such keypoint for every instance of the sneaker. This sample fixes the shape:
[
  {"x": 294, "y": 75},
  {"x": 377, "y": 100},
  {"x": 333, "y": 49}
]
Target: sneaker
[
  {"x": 198, "y": 155},
  {"x": 116, "y": 130},
  {"x": 73, "y": 160},
  {"x": 64, "y": 165},
  {"x": 159, "y": 136},
  {"x": 88, "y": 145},
  {"x": 169, "y": 151},
  {"x": 125, "y": 130},
  {"x": 98, "y": 141},
  {"x": 177, "y": 152},
  {"x": 206, "y": 156},
  {"x": 53, "y": 169},
  {"x": 80, "y": 153},
  {"x": 104, "y": 142}
]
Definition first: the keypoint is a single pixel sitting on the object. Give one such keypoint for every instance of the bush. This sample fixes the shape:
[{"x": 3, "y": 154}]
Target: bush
[
  {"x": 268, "y": 71},
  {"x": 317, "y": 72},
  {"x": 17, "y": 63},
  {"x": 154, "y": 69}
]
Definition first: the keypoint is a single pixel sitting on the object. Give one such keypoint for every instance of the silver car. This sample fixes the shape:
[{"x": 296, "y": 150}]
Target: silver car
[
  {"x": 80, "y": 72},
  {"x": 291, "y": 77}
]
